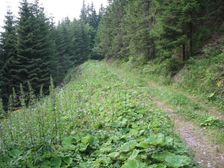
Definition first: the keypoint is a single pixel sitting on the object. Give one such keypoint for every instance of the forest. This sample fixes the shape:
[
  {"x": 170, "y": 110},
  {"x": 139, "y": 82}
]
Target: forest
[
  {"x": 33, "y": 49},
  {"x": 136, "y": 84}
]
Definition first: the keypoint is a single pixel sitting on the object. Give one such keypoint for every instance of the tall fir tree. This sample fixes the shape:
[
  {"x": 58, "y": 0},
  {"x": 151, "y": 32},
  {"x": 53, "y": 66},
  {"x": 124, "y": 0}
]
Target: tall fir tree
[
  {"x": 7, "y": 58},
  {"x": 33, "y": 47},
  {"x": 42, "y": 49}
]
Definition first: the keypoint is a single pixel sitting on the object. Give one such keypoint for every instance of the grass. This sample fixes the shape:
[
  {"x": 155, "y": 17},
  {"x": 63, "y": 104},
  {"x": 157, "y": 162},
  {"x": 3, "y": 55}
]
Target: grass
[{"x": 101, "y": 118}]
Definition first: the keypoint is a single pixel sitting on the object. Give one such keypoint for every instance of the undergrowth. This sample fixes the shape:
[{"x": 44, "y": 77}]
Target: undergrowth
[
  {"x": 97, "y": 120},
  {"x": 201, "y": 75}
]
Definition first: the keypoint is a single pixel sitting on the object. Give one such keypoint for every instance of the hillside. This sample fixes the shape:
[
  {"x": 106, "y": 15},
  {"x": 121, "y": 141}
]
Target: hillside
[
  {"x": 100, "y": 119},
  {"x": 109, "y": 116}
]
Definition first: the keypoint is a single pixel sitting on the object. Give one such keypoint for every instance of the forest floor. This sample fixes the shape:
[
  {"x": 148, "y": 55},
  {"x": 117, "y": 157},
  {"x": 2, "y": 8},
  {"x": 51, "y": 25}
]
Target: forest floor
[{"x": 196, "y": 121}]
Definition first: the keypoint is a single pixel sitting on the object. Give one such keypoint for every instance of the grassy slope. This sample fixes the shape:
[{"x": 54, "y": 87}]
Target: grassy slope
[{"x": 102, "y": 118}]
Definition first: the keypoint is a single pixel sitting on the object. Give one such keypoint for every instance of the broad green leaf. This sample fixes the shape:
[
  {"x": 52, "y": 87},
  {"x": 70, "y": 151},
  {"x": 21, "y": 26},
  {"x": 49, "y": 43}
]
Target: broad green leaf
[
  {"x": 172, "y": 160},
  {"x": 88, "y": 140},
  {"x": 177, "y": 160},
  {"x": 67, "y": 161},
  {"x": 128, "y": 146},
  {"x": 83, "y": 147},
  {"x": 114, "y": 155},
  {"x": 15, "y": 153},
  {"x": 134, "y": 154},
  {"x": 158, "y": 166},
  {"x": 67, "y": 143},
  {"x": 134, "y": 164},
  {"x": 161, "y": 156},
  {"x": 153, "y": 140},
  {"x": 56, "y": 162},
  {"x": 45, "y": 164}
]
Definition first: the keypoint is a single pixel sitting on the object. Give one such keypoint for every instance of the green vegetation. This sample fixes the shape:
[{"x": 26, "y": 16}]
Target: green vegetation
[
  {"x": 97, "y": 120},
  {"x": 206, "y": 79},
  {"x": 202, "y": 77}
]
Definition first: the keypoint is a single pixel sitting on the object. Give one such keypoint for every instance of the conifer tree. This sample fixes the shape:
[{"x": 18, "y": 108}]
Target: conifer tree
[
  {"x": 111, "y": 32},
  {"x": 177, "y": 25},
  {"x": 64, "y": 51},
  {"x": 138, "y": 24},
  {"x": 24, "y": 59},
  {"x": 33, "y": 46},
  {"x": 42, "y": 49},
  {"x": 7, "y": 58}
]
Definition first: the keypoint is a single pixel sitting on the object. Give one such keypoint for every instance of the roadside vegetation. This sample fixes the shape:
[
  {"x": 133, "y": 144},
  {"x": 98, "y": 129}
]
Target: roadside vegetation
[{"x": 96, "y": 120}]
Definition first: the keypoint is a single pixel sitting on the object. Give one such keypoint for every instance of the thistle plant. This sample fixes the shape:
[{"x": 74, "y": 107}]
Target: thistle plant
[
  {"x": 32, "y": 97},
  {"x": 56, "y": 120}
]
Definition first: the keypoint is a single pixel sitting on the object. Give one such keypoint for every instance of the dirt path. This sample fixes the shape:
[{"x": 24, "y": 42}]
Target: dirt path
[{"x": 207, "y": 154}]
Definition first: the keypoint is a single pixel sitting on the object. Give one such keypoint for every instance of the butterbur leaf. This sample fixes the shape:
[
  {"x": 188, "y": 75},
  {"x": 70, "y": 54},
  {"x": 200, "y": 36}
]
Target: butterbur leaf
[
  {"x": 134, "y": 132},
  {"x": 177, "y": 160},
  {"x": 134, "y": 164},
  {"x": 45, "y": 164},
  {"x": 88, "y": 140},
  {"x": 144, "y": 145},
  {"x": 85, "y": 165},
  {"x": 172, "y": 160},
  {"x": 67, "y": 161},
  {"x": 123, "y": 157},
  {"x": 153, "y": 140},
  {"x": 158, "y": 166},
  {"x": 56, "y": 162},
  {"x": 114, "y": 155},
  {"x": 134, "y": 155},
  {"x": 128, "y": 146},
  {"x": 104, "y": 160},
  {"x": 15, "y": 153},
  {"x": 83, "y": 147},
  {"x": 158, "y": 139},
  {"x": 161, "y": 156},
  {"x": 67, "y": 143}
]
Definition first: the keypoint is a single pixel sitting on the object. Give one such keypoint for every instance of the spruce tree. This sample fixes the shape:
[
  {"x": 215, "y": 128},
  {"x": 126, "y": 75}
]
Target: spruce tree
[
  {"x": 176, "y": 20},
  {"x": 25, "y": 57},
  {"x": 111, "y": 32},
  {"x": 41, "y": 49},
  {"x": 33, "y": 45},
  {"x": 7, "y": 58},
  {"x": 138, "y": 24}
]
